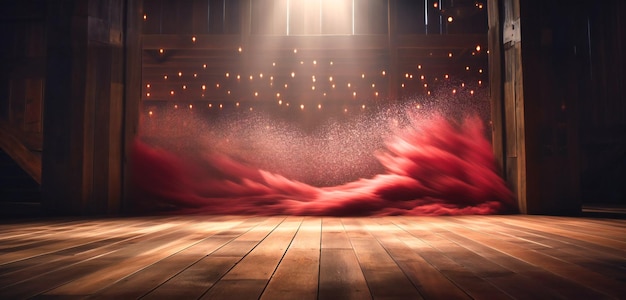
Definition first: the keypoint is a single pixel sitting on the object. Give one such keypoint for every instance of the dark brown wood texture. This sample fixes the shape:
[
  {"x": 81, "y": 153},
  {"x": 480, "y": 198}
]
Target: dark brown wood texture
[{"x": 278, "y": 257}]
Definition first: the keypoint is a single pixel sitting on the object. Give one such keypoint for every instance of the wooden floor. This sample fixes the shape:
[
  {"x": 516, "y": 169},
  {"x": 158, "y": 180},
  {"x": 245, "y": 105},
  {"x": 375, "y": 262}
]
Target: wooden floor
[{"x": 234, "y": 257}]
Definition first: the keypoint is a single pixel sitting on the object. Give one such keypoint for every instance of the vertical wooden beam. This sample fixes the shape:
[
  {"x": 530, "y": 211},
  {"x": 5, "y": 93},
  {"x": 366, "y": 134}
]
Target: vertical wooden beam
[
  {"x": 392, "y": 19},
  {"x": 84, "y": 111},
  {"x": 496, "y": 63},
  {"x": 62, "y": 159},
  {"x": 539, "y": 124},
  {"x": 132, "y": 91}
]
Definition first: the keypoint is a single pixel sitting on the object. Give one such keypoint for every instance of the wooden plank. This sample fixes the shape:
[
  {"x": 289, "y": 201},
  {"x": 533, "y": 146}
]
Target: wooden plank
[
  {"x": 384, "y": 278},
  {"x": 601, "y": 242},
  {"x": 27, "y": 160},
  {"x": 472, "y": 280},
  {"x": 194, "y": 281},
  {"x": 496, "y": 91},
  {"x": 431, "y": 283},
  {"x": 334, "y": 235},
  {"x": 91, "y": 271},
  {"x": 299, "y": 267},
  {"x": 584, "y": 226},
  {"x": 340, "y": 274},
  {"x": 479, "y": 257},
  {"x": 250, "y": 276},
  {"x": 556, "y": 285},
  {"x": 129, "y": 260},
  {"x": 604, "y": 260},
  {"x": 140, "y": 283},
  {"x": 588, "y": 278},
  {"x": 81, "y": 234}
]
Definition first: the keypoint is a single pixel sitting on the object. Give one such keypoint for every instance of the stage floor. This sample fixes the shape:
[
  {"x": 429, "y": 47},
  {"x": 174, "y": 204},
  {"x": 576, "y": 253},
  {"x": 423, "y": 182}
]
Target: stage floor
[{"x": 278, "y": 257}]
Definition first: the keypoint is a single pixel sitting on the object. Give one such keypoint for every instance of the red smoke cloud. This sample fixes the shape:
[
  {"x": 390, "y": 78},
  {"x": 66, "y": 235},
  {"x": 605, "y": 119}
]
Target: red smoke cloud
[{"x": 432, "y": 168}]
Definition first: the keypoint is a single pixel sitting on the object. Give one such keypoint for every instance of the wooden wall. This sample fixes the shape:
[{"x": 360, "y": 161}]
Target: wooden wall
[
  {"x": 85, "y": 97},
  {"x": 562, "y": 140},
  {"x": 603, "y": 105}
]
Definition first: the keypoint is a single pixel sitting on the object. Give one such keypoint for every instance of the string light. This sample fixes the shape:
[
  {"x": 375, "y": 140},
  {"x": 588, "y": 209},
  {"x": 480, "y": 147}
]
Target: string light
[{"x": 360, "y": 88}]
